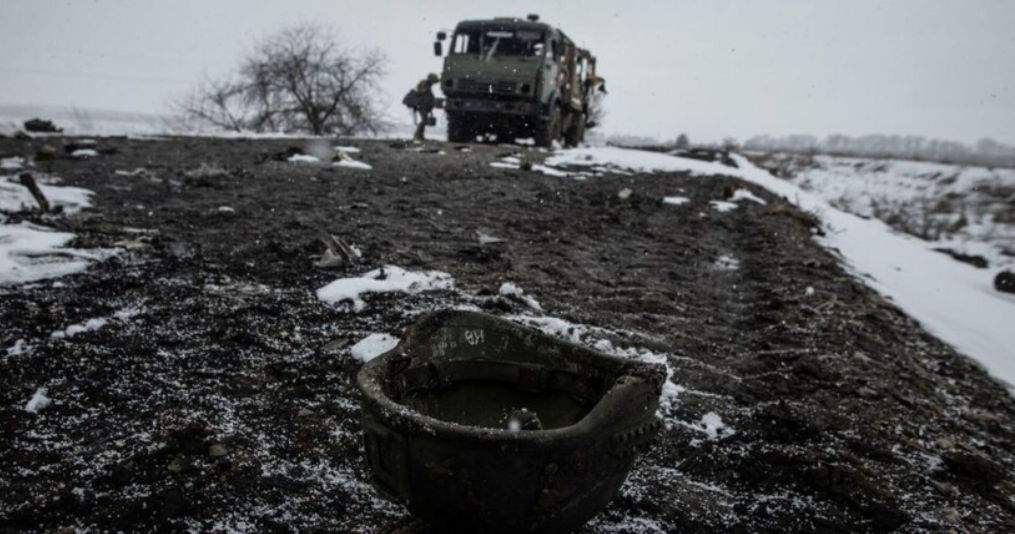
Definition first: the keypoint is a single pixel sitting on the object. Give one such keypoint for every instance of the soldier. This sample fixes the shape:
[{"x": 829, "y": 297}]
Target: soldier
[{"x": 425, "y": 102}]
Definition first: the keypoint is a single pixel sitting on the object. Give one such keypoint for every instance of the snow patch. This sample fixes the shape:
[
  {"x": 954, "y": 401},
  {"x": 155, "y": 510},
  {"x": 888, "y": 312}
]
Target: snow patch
[
  {"x": 15, "y": 163},
  {"x": 303, "y": 158},
  {"x": 722, "y": 206},
  {"x": 744, "y": 194},
  {"x": 29, "y": 252},
  {"x": 726, "y": 263},
  {"x": 712, "y": 426},
  {"x": 350, "y": 163},
  {"x": 509, "y": 289},
  {"x": 387, "y": 279},
  {"x": 20, "y": 347},
  {"x": 676, "y": 201},
  {"x": 39, "y": 401},
  {"x": 75, "y": 329},
  {"x": 373, "y": 346},
  {"x": 16, "y": 197},
  {"x": 611, "y": 159},
  {"x": 85, "y": 153}
]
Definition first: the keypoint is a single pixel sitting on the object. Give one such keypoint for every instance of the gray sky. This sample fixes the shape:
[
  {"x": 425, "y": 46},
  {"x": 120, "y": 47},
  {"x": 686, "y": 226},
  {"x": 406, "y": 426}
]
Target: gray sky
[{"x": 739, "y": 68}]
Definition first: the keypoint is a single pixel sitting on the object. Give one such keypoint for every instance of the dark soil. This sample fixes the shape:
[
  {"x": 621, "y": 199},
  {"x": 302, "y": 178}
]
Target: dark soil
[{"x": 227, "y": 401}]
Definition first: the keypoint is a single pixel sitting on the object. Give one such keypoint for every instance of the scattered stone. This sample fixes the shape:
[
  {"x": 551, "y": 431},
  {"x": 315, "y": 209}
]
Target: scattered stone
[
  {"x": 944, "y": 488},
  {"x": 45, "y": 153},
  {"x": 217, "y": 450},
  {"x": 867, "y": 392},
  {"x": 974, "y": 468},
  {"x": 335, "y": 345},
  {"x": 178, "y": 465}
]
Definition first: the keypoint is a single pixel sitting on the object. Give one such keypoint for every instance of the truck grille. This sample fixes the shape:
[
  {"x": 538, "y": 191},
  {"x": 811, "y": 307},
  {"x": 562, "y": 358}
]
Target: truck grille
[{"x": 484, "y": 86}]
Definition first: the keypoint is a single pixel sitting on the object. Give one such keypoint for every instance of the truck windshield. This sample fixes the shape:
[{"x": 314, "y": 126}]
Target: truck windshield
[{"x": 489, "y": 43}]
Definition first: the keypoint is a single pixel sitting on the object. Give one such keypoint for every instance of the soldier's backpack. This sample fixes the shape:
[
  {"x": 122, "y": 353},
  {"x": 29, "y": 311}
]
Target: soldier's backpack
[{"x": 411, "y": 99}]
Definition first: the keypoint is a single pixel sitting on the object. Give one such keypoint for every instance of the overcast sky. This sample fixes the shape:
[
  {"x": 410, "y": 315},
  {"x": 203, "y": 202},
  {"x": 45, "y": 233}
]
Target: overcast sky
[{"x": 718, "y": 68}]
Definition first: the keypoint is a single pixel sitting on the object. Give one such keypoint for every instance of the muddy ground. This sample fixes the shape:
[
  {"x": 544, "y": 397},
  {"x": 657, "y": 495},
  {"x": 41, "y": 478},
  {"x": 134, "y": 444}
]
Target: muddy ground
[{"x": 222, "y": 396}]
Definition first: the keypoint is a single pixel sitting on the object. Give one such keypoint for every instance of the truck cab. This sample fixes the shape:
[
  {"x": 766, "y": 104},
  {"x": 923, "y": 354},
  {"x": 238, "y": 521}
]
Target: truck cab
[{"x": 516, "y": 78}]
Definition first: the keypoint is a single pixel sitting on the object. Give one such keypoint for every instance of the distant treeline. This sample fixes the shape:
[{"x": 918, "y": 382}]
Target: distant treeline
[{"x": 986, "y": 152}]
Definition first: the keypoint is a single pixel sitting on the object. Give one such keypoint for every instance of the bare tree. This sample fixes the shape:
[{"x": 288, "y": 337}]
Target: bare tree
[
  {"x": 222, "y": 104},
  {"x": 299, "y": 79}
]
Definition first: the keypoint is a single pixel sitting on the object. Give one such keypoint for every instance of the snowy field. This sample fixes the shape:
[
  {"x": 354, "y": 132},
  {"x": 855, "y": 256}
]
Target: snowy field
[{"x": 970, "y": 210}]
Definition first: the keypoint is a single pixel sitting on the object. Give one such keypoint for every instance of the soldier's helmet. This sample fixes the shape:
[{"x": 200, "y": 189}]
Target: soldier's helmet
[
  {"x": 479, "y": 424},
  {"x": 433, "y": 78}
]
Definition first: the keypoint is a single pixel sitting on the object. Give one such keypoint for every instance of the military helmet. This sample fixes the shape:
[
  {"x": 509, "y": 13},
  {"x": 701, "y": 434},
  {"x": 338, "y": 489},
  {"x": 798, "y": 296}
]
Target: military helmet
[
  {"x": 432, "y": 78},
  {"x": 479, "y": 424}
]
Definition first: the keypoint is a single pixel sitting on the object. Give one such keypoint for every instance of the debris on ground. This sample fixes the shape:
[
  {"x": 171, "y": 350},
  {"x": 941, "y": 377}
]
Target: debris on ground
[{"x": 41, "y": 126}]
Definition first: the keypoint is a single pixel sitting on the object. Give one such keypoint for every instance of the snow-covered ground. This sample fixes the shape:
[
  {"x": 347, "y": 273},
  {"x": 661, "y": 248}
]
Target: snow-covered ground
[
  {"x": 954, "y": 301},
  {"x": 970, "y": 210},
  {"x": 31, "y": 252}
]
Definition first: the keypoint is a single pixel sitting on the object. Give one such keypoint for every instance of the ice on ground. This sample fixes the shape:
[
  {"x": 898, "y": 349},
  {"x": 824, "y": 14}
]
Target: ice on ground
[
  {"x": 722, "y": 206},
  {"x": 745, "y": 194},
  {"x": 84, "y": 153},
  {"x": 387, "y": 279},
  {"x": 75, "y": 329},
  {"x": 304, "y": 158},
  {"x": 226, "y": 209},
  {"x": 373, "y": 346},
  {"x": 15, "y": 163},
  {"x": 29, "y": 252},
  {"x": 38, "y": 402},
  {"x": 509, "y": 289},
  {"x": 16, "y": 197},
  {"x": 676, "y": 201},
  {"x": 347, "y": 149}
]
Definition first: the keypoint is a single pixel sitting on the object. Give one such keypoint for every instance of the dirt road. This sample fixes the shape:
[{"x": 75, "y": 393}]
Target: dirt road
[{"x": 219, "y": 395}]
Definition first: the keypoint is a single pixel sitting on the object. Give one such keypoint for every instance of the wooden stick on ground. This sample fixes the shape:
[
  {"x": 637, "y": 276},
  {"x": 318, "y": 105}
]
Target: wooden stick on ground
[{"x": 29, "y": 182}]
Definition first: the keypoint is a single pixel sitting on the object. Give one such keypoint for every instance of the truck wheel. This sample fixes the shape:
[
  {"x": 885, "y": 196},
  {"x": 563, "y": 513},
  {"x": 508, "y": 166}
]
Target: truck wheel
[
  {"x": 459, "y": 129},
  {"x": 548, "y": 130},
  {"x": 575, "y": 133}
]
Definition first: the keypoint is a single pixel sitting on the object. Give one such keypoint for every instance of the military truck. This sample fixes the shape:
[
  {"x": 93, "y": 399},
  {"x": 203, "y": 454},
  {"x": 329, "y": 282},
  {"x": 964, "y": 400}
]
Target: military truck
[{"x": 516, "y": 78}]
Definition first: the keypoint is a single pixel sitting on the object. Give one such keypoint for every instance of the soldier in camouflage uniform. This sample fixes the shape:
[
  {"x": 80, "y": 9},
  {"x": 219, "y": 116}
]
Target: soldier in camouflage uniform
[{"x": 425, "y": 103}]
